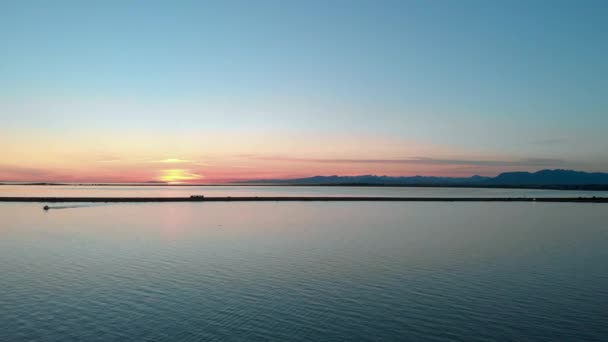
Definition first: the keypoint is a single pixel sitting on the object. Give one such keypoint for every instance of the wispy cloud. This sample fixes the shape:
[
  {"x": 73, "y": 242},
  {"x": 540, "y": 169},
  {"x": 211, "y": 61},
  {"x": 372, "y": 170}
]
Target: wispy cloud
[
  {"x": 173, "y": 161},
  {"x": 421, "y": 161},
  {"x": 8, "y": 172},
  {"x": 109, "y": 161},
  {"x": 180, "y": 161},
  {"x": 153, "y": 161}
]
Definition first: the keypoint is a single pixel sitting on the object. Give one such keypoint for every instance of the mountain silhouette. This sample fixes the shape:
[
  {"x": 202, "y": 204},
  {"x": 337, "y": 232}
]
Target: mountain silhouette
[
  {"x": 550, "y": 177},
  {"x": 543, "y": 178}
]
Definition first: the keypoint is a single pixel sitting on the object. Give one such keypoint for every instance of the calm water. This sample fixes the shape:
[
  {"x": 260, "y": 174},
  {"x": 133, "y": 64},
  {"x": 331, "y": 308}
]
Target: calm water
[
  {"x": 304, "y": 272},
  {"x": 186, "y": 191}
]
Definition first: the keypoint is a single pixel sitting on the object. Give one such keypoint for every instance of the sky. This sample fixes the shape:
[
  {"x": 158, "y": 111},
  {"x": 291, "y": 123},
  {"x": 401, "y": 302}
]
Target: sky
[{"x": 216, "y": 91}]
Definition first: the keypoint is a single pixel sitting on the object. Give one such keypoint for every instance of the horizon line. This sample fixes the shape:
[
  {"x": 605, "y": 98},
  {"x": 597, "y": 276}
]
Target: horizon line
[{"x": 238, "y": 181}]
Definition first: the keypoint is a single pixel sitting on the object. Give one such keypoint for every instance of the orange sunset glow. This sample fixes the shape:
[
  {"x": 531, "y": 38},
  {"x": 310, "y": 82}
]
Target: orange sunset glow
[
  {"x": 177, "y": 176},
  {"x": 94, "y": 154}
]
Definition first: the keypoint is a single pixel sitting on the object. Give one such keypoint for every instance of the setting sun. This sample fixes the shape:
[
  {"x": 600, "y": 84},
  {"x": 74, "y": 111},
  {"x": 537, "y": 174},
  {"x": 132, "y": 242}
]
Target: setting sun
[{"x": 174, "y": 176}]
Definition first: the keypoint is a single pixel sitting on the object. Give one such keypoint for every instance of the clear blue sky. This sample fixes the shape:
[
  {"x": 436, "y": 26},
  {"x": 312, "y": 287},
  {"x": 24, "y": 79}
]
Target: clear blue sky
[{"x": 517, "y": 81}]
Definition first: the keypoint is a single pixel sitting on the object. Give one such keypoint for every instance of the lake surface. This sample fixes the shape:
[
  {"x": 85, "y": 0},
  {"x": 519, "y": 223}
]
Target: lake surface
[
  {"x": 187, "y": 191},
  {"x": 304, "y": 272}
]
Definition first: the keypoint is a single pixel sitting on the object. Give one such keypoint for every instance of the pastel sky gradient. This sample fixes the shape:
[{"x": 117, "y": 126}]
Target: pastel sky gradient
[{"x": 213, "y": 91}]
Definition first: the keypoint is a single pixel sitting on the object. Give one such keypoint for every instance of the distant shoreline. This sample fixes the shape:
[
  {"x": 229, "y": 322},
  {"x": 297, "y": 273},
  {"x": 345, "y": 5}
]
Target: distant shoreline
[
  {"x": 588, "y": 187},
  {"x": 301, "y": 199}
]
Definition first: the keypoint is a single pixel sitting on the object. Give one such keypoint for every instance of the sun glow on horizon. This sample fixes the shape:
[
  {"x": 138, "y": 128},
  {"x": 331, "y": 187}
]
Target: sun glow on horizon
[{"x": 177, "y": 176}]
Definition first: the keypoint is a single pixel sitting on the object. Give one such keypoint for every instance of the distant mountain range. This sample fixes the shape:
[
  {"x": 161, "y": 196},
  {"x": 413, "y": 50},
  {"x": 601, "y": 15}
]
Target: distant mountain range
[{"x": 543, "y": 179}]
